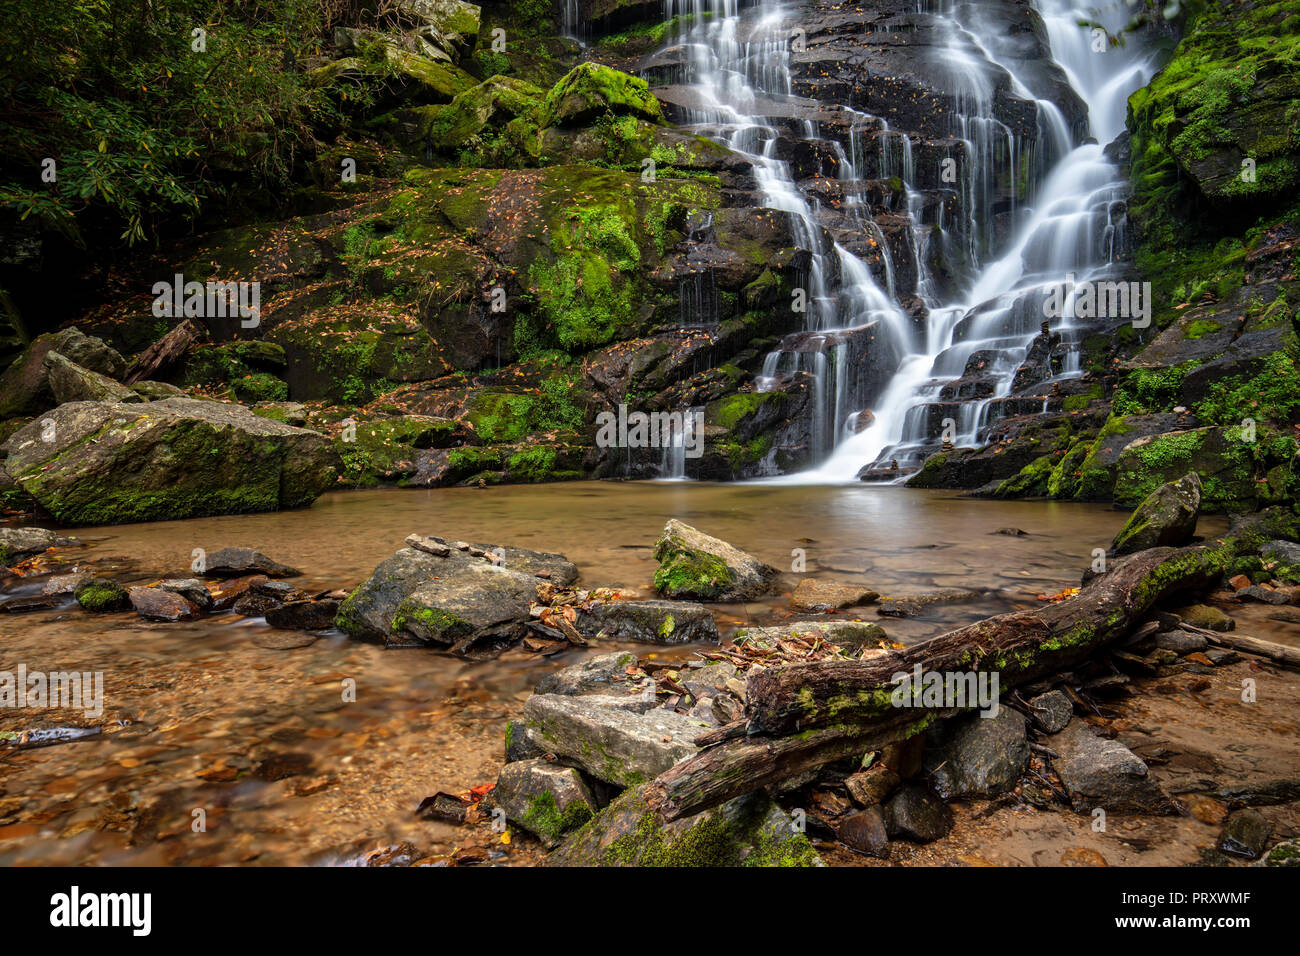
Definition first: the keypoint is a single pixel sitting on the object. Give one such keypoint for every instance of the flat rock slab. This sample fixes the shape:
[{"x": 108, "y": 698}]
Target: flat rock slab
[
  {"x": 649, "y": 622},
  {"x": 611, "y": 743},
  {"x": 814, "y": 595},
  {"x": 285, "y": 642},
  {"x": 851, "y": 634},
  {"x": 973, "y": 755},
  {"x": 696, "y": 566},
  {"x": 1104, "y": 773},
  {"x": 597, "y": 673},
  {"x": 18, "y": 544},
  {"x": 546, "y": 799},
  {"x": 155, "y": 604},
  {"x": 747, "y": 831}
]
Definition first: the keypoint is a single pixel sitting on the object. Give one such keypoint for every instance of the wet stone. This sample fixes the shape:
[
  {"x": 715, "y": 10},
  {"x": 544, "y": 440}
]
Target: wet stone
[
  {"x": 155, "y": 604},
  {"x": 1181, "y": 642},
  {"x": 233, "y": 562},
  {"x": 974, "y": 755},
  {"x": 916, "y": 813},
  {"x": 872, "y": 786},
  {"x": 865, "y": 832},
  {"x": 1052, "y": 711},
  {"x": 1245, "y": 834},
  {"x": 192, "y": 589}
]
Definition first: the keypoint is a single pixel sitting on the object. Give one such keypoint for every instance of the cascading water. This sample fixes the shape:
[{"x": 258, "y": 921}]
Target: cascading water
[{"x": 1059, "y": 219}]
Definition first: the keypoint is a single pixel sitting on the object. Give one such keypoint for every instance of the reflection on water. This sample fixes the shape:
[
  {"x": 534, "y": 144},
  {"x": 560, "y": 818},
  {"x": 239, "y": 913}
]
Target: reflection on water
[{"x": 260, "y": 745}]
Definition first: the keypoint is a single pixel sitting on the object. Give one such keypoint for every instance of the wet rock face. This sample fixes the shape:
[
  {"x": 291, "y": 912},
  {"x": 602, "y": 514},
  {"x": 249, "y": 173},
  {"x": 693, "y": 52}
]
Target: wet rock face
[
  {"x": 746, "y": 831},
  {"x": 591, "y": 676},
  {"x": 978, "y": 756},
  {"x": 1166, "y": 517},
  {"x": 648, "y": 622},
  {"x": 694, "y": 565},
  {"x": 105, "y": 463},
  {"x": 1100, "y": 773}
]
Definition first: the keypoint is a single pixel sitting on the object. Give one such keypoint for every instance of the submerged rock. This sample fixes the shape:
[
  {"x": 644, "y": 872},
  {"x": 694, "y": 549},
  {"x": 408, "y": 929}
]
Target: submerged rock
[
  {"x": 608, "y": 741},
  {"x": 110, "y": 462},
  {"x": 1166, "y": 517},
  {"x": 18, "y": 544},
  {"x": 851, "y": 634},
  {"x": 545, "y": 799},
  {"x": 1104, "y": 773},
  {"x": 747, "y": 831},
  {"x": 695, "y": 566},
  {"x": 814, "y": 595},
  {"x": 1246, "y": 834},
  {"x": 648, "y": 622},
  {"x": 973, "y": 755}
]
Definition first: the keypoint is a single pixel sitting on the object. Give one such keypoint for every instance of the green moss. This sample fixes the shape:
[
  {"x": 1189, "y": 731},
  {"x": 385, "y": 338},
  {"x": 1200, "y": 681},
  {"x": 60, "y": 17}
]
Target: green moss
[
  {"x": 694, "y": 573},
  {"x": 1270, "y": 396},
  {"x": 101, "y": 595},
  {"x": 548, "y": 821}
]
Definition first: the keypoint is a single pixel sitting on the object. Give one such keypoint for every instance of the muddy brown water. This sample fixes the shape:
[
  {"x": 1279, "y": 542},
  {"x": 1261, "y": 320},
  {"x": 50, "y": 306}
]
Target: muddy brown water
[{"x": 218, "y": 750}]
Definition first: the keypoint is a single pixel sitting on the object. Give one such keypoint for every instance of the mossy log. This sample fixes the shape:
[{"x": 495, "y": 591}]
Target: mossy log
[{"x": 805, "y": 715}]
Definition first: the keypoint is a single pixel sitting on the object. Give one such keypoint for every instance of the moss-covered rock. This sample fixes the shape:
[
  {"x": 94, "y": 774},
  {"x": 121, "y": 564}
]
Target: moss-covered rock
[
  {"x": 592, "y": 90},
  {"x": 177, "y": 458},
  {"x": 696, "y": 566},
  {"x": 746, "y": 831},
  {"x": 102, "y": 595},
  {"x": 1165, "y": 518}
]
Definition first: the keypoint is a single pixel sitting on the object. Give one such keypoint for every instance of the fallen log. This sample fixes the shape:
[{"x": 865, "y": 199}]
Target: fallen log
[
  {"x": 1278, "y": 653},
  {"x": 802, "y": 716},
  {"x": 168, "y": 350}
]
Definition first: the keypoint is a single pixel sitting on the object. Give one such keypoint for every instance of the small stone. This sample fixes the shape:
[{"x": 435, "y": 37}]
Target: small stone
[
  {"x": 899, "y": 609},
  {"x": 1082, "y": 856},
  {"x": 1013, "y": 532},
  {"x": 1206, "y": 809},
  {"x": 1052, "y": 711},
  {"x": 1221, "y": 657},
  {"x": 915, "y": 813},
  {"x": 192, "y": 589},
  {"x": 284, "y": 642},
  {"x": 64, "y": 583},
  {"x": 865, "y": 832},
  {"x": 601, "y": 672},
  {"x": 429, "y": 545},
  {"x": 1246, "y": 834},
  {"x": 1264, "y": 595},
  {"x": 1239, "y": 581}
]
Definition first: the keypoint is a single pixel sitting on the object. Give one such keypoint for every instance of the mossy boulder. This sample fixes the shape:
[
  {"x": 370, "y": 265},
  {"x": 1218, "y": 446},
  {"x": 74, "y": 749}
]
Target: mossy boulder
[
  {"x": 747, "y": 831},
  {"x": 384, "y": 450},
  {"x": 71, "y": 383},
  {"x": 591, "y": 90},
  {"x": 696, "y": 566},
  {"x": 493, "y": 124},
  {"x": 545, "y": 799},
  {"x": 102, "y": 595},
  {"x": 108, "y": 463},
  {"x": 1165, "y": 518},
  {"x": 25, "y": 385},
  {"x": 1239, "y": 468}
]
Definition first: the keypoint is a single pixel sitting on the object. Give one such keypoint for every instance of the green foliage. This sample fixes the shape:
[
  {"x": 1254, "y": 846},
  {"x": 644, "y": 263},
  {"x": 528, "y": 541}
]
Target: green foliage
[
  {"x": 1269, "y": 396},
  {"x": 142, "y": 126},
  {"x": 1150, "y": 389}
]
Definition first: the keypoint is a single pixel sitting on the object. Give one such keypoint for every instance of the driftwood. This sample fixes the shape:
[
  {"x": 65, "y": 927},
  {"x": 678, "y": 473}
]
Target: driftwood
[
  {"x": 165, "y": 352},
  {"x": 802, "y": 716},
  {"x": 1278, "y": 653}
]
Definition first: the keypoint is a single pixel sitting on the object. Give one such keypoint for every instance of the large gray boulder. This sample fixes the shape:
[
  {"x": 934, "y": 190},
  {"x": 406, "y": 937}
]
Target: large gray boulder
[
  {"x": 112, "y": 462},
  {"x": 695, "y": 566},
  {"x": 1104, "y": 773},
  {"x": 609, "y": 741},
  {"x": 472, "y": 601},
  {"x": 1165, "y": 518},
  {"x": 747, "y": 831}
]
